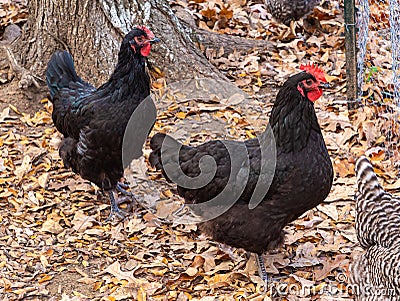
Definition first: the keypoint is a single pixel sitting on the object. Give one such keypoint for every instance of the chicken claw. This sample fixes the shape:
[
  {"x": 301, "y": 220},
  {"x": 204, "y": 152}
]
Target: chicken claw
[
  {"x": 121, "y": 187},
  {"x": 115, "y": 210}
]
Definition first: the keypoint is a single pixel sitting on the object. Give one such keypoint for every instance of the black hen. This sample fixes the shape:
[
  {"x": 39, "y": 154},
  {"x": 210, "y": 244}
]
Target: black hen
[
  {"x": 93, "y": 121},
  {"x": 302, "y": 178},
  {"x": 285, "y": 11},
  {"x": 377, "y": 271}
]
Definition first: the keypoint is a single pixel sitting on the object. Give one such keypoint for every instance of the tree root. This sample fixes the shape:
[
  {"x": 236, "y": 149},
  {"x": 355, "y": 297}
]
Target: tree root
[
  {"x": 230, "y": 44},
  {"x": 27, "y": 79}
]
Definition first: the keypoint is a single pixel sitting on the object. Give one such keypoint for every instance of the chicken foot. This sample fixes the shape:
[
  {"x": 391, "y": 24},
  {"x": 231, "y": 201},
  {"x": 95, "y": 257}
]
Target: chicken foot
[
  {"x": 115, "y": 210},
  {"x": 122, "y": 187}
]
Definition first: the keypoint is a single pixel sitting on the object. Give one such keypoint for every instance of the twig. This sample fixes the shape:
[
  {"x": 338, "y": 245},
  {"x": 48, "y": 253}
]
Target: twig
[{"x": 42, "y": 207}]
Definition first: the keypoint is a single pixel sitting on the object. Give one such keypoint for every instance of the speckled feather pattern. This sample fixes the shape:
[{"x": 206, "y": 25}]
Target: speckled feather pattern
[
  {"x": 377, "y": 271},
  {"x": 286, "y": 10}
]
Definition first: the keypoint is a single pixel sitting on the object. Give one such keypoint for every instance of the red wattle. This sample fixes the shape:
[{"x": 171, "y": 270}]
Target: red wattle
[
  {"x": 145, "y": 51},
  {"x": 313, "y": 95}
]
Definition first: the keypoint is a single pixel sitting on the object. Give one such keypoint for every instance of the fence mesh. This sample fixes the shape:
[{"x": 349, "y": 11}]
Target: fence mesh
[{"x": 378, "y": 78}]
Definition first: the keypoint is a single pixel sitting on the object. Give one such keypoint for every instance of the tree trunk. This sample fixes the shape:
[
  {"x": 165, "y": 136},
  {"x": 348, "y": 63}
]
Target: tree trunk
[{"x": 93, "y": 30}]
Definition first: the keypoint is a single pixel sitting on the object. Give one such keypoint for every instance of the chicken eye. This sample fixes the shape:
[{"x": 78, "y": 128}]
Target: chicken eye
[
  {"x": 139, "y": 39},
  {"x": 309, "y": 82}
]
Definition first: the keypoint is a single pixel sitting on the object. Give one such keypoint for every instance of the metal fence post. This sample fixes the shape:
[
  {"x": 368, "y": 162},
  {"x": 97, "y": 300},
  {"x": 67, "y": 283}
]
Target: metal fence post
[{"x": 351, "y": 54}]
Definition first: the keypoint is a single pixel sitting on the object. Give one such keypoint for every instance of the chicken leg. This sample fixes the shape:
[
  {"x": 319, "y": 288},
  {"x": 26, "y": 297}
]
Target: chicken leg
[{"x": 261, "y": 268}]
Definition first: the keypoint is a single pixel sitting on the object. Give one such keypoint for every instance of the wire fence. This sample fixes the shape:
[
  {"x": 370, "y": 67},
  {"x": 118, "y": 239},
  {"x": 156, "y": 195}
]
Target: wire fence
[{"x": 378, "y": 64}]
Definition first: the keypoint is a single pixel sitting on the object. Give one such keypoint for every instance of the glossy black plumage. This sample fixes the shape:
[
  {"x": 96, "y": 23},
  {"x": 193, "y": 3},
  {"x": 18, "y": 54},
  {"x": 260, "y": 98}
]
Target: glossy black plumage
[
  {"x": 93, "y": 121},
  {"x": 302, "y": 179}
]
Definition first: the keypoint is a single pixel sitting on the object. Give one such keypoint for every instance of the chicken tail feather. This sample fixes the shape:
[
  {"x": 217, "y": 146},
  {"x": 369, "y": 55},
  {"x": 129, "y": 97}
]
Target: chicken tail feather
[
  {"x": 164, "y": 150},
  {"x": 60, "y": 72},
  {"x": 367, "y": 181}
]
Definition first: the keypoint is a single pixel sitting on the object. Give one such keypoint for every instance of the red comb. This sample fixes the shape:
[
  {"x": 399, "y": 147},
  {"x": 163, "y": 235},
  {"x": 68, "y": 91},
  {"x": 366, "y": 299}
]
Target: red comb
[
  {"x": 313, "y": 69},
  {"x": 149, "y": 33}
]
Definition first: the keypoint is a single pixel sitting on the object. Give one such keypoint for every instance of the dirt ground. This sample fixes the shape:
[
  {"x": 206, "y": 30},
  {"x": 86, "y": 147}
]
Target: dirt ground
[{"x": 27, "y": 101}]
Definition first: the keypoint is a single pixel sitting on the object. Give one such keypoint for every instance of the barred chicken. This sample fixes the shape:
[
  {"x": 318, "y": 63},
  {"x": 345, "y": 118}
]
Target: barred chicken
[
  {"x": 93, "y": 121},
  {"x": 301, "y": 180},
  {"x": 285, "y": 11},
  {"x": 376, "y": 273}
]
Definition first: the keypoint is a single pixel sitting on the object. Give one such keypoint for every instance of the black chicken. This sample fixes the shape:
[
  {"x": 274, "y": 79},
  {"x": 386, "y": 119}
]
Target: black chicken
[
  {"x": 93, "y": 121},
  {"x": 285, "y": 11},
  {"x": 302, "y": 178},
  {"x": 377, "y": 271}
]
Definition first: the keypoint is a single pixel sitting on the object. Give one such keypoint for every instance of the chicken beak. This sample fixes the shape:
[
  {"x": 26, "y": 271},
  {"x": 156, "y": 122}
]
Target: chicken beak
[
  {"x": 324, "y": 85},
  {"x": 154, "y": 40}
]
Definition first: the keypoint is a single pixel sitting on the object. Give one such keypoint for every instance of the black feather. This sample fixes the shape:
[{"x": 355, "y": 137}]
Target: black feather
[
  {"x": 93, "y": 121},
  {"x": 302, "y": 178},
  {"x": 60, "y": 72}
]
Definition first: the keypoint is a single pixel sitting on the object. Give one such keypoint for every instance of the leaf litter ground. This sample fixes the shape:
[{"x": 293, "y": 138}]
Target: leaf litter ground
[{"x": 55, "y": 245}]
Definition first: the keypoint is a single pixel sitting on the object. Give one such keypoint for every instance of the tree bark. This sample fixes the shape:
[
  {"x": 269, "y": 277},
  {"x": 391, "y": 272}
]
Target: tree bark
[{"x": 93, "y": 30}]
